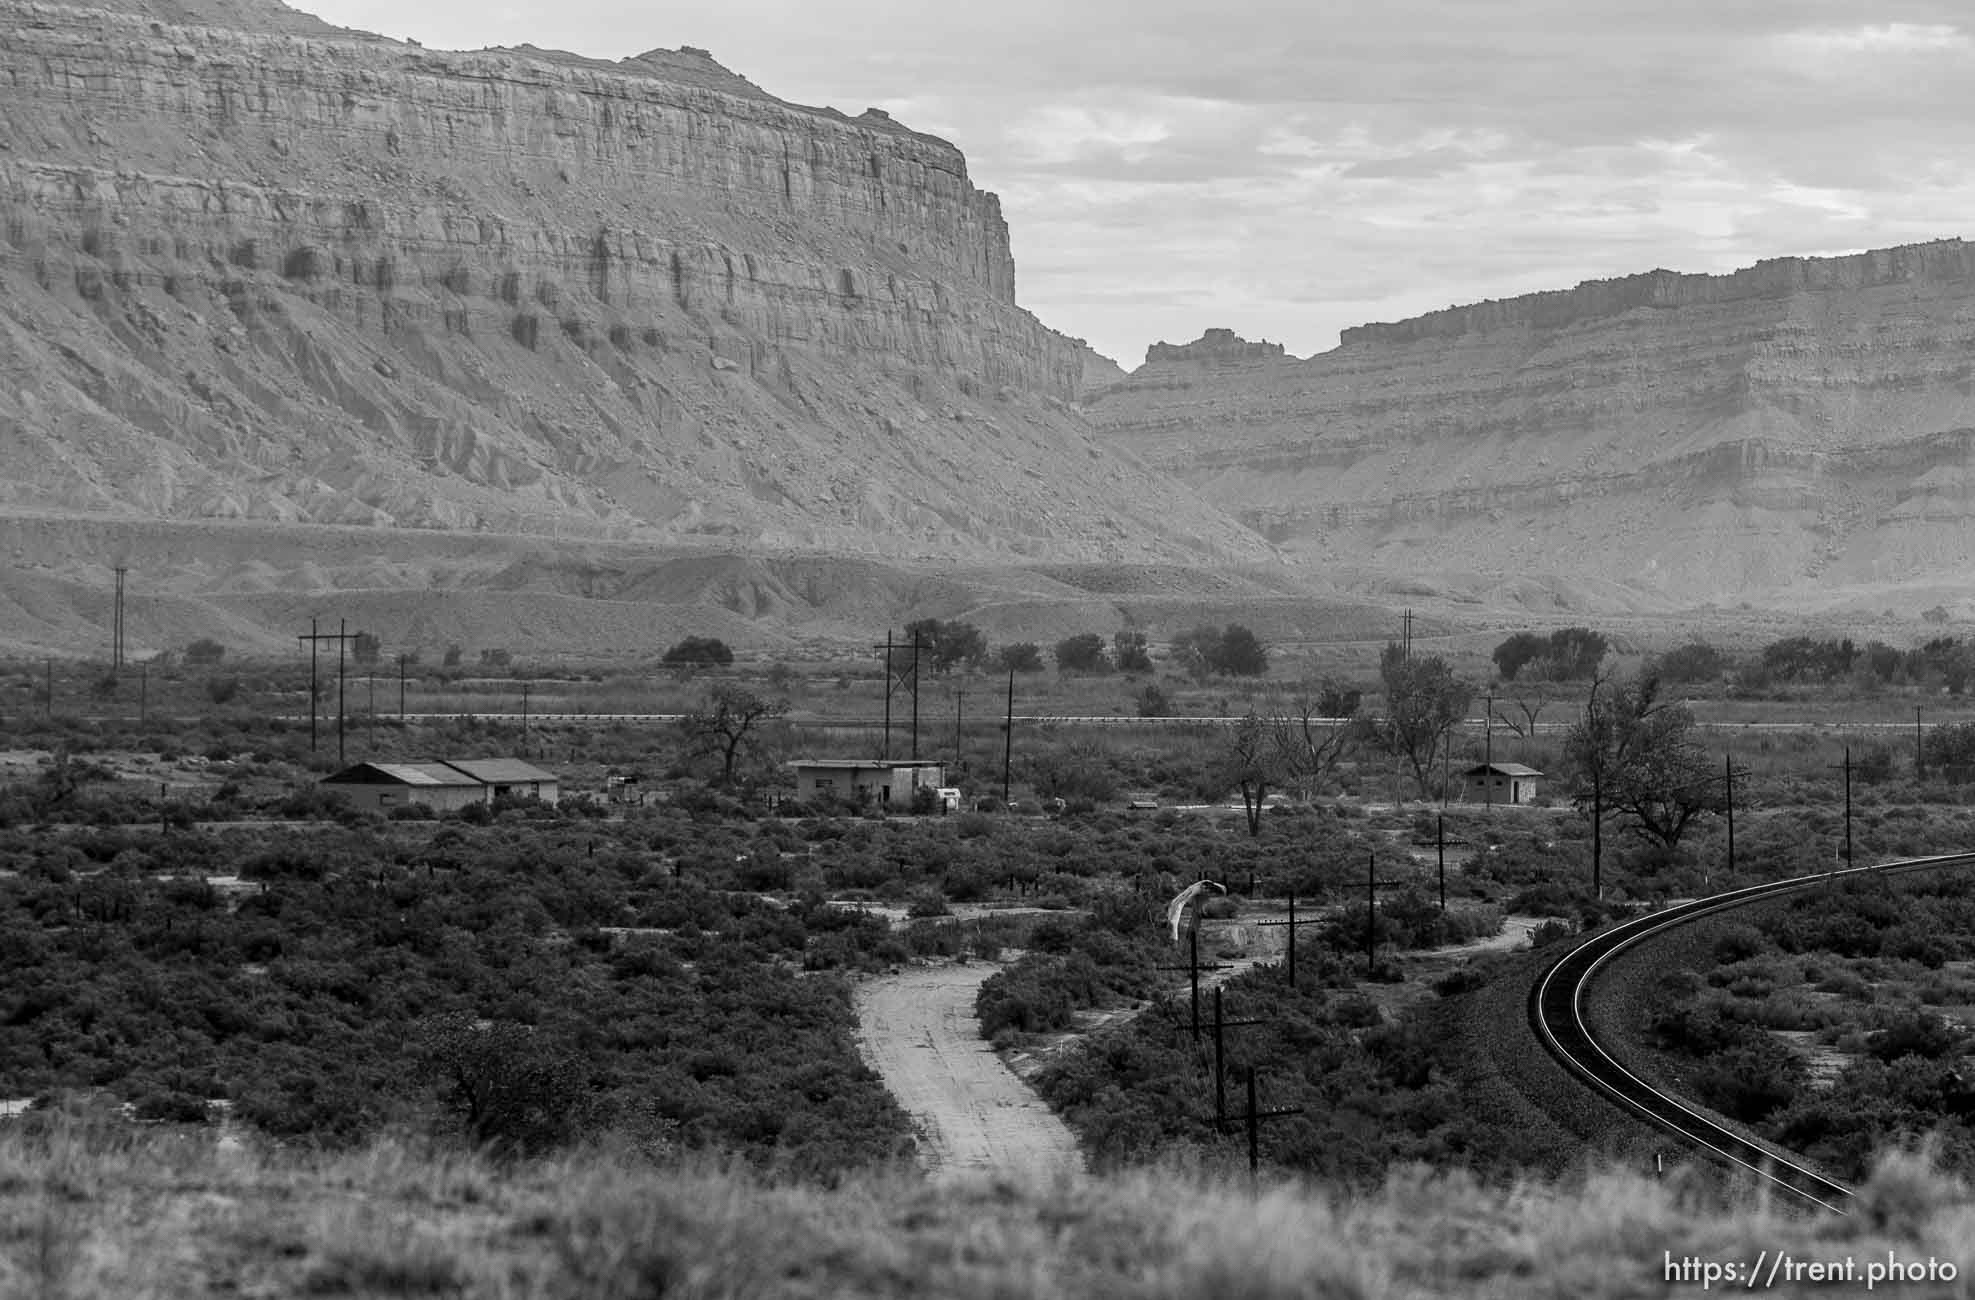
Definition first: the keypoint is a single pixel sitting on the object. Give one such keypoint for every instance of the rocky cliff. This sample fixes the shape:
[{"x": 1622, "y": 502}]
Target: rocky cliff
[
  {"x": 254, "y": 267},
  {"x": 1797, "y": 433}
]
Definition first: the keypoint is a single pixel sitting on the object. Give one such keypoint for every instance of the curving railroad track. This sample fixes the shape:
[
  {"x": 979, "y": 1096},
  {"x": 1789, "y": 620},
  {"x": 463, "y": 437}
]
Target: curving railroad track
[{"x": 1556, "y": 1012}]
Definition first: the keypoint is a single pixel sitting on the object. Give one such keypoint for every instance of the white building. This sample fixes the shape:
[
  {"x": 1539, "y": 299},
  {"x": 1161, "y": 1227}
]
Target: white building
[
  {"x": 1504, "y": 783},
  {"x": 888, "y": 782}
]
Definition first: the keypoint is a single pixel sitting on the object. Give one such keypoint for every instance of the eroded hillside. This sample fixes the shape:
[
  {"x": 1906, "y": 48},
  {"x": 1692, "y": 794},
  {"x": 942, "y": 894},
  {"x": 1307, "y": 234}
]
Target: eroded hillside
[
  {"x": 256, "y": 268},
  {"x": 1796, "y": 434}
]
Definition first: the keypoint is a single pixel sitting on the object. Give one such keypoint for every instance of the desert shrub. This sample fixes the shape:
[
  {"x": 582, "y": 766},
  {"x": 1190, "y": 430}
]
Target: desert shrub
[
  {"x": 1751, "y": 1079},
  {"x": 1914, "y": 1033}
]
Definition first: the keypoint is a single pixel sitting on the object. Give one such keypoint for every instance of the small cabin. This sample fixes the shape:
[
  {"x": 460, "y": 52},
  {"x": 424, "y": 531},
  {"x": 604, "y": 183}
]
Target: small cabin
[
  {"x": 1503, "y": 783},
  {"x": 886, "y": 782}
]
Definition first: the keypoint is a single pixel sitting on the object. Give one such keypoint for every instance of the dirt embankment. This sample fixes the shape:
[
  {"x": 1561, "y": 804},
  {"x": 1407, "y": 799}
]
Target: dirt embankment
[{"x": 918, "y": 1029}]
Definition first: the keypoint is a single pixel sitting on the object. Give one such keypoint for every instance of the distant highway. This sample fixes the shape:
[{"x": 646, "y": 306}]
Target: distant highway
[{"x": 1556, "y": 1011}]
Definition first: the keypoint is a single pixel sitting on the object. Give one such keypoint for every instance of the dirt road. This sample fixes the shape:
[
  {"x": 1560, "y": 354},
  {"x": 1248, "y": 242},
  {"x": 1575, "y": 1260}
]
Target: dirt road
[{"x": 918, "y": 1030}]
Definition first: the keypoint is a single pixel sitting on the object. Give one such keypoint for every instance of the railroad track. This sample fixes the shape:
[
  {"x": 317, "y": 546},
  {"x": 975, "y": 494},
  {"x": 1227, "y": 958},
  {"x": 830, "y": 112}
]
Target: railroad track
[{"x": 1556, "y": 1012}]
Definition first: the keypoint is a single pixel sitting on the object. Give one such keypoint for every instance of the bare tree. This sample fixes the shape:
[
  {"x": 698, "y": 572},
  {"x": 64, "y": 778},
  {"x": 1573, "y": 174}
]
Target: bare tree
[
  {"x": 1524, "y": 727},
  {"x": 1317, "y": 728},
  {"x": 729, "y": 725},
  {"x": 1252, "y": 761},
  {"x": 1424, "y": 702}
]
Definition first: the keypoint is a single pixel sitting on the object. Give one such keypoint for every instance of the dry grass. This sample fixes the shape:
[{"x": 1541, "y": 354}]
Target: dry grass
[{"x": 93, "y": 1211}]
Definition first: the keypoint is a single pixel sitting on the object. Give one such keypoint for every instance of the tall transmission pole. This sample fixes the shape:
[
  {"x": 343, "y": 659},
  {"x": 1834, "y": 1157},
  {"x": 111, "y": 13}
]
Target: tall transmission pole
[
  {"x": 1008, "y": 737},
  {"x": 342, "y": 636},
  {"x": 884, "y": 746},
  {"x": 116, "y": 633},
  {"x": 915, "y": 696},
  {"x": 342, "y": 626}
]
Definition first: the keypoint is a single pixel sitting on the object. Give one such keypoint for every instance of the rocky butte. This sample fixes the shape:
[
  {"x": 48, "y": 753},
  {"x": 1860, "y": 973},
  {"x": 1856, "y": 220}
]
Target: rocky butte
[
  {"x": 1797, "y": 434},
  {"x": 254, "y": 268}
]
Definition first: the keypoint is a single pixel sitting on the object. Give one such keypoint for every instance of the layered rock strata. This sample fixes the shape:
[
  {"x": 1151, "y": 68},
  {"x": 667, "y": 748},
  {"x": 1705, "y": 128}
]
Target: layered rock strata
[
  {"x": 273, "y": 270},
  {"x": 1791, "y": 433}
]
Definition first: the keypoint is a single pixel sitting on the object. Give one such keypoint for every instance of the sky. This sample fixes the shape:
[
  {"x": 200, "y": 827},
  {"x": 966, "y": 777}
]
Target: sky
[{"x": 1289, "y": 168}]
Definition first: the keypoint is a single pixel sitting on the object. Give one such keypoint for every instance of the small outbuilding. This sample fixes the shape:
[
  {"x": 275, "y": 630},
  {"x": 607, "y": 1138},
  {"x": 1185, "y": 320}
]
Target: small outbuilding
[
  {"x": 510, "y": 776},
  {"x": 884, "y": 781},
  {"x": 1504, "y": 783},
  {"x": 440, "y": 785}
]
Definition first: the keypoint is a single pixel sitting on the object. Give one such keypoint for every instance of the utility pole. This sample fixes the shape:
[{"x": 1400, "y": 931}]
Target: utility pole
[
  {"x": 1253, "y": 1118},
  {"x": 1440, "y": 843},
  {"x": 1848, "y": 806},
  {"x": 48, "y": 709},
  {"x": 116, "y": 634},
  {"x": 1008, "y": 737},
  {"x": 1597, "y": 826},
  {"x": 1917, "y": 771},
  {"x": 371, "y": 742},
  {"x": 884, "y": 750},
  {"x": 1292, "y": 923},
  {"x": 401, "y": 690},
  {"x": 915, "y": 695},
  {"x": 143, "y": 692},
  {"x": 1220, "y": 1068},
  {"x": 312, "y": 687},
  {"x": 1488, "y": 751},
  {"x": 524, "y": 719},
  {"x": 1728, "y": 775},
  {"x": 342, "y": 636},
  {"x": 959, "y": 702},
  {"x": 1193, "y": 969}
]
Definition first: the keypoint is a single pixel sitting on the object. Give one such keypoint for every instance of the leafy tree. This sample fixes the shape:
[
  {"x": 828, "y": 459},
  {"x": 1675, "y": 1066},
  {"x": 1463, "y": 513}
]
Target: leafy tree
[
  {"x": 1233, "y": 650},
  {"x": 1154, "y": 703},
  {"x": 1082, "y": 653},
  {"x": 1575, "y": 652},
  {"x": 1565, "y": 655},
  {"x": 1197, "y": 650},
  {"x": 495, "y": 658},
  {"x": 1697, "y": 661},
  {"x": 729, "y": 725},
  {"x": 1945, "y": 662},
  {"x": 1242, "y": 653},
  {"x": 1020, "y": 657},
  {"x": 204, "y": 652},
  {"x": 221, "y": 690},
  {"x": 452, "y": 657},
  {"x": 1636, "y": 757},
  {"x": 1424, "y": 702},
  {"x": 1802, "y": 658},
  {"x": 364, "y": 648},
  {"x": 946, "y": 645},
  {"x": 1129, "y": 651},
  {"x": 698, "y": 650},
  {"x": 1076, "y": 771},
  {"x": 1519, "y": 650}
]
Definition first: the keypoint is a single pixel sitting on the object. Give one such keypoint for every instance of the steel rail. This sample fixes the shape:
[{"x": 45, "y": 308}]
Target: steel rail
[{"x": 1556, "y": 1011}]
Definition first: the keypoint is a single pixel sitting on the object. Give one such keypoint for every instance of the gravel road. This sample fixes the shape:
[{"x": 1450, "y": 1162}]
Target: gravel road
[{"x": 918, "y": 1030}]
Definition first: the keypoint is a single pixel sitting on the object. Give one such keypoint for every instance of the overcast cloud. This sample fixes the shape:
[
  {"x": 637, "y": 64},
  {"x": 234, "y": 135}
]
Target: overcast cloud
[{"x": 1287, "y": 169}]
